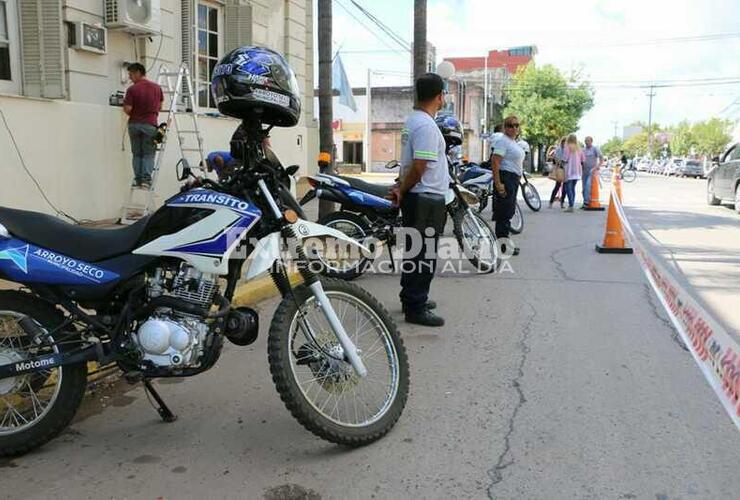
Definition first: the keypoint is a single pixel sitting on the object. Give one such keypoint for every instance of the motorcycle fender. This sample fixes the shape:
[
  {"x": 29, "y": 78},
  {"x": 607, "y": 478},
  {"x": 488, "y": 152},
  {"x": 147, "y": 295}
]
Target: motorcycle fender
[{"x": 267, "y": 250}]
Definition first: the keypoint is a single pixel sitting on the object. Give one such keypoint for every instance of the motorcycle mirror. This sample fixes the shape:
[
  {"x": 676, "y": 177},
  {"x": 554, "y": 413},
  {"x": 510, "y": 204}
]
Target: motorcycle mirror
[
  {"x": 291, "y": 170},
  {"x": 391, "y": 164},
  {"x": 183, "y": 170}
]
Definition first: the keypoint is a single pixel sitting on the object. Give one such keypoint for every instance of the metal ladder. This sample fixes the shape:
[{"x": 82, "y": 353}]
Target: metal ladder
[{"x": 177, "y": 86}]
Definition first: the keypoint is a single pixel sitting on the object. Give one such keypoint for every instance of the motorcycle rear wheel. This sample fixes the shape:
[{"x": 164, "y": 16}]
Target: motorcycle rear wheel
[
  {"x": 36, "y": 407},
  {"x": 316, "y": 383}
]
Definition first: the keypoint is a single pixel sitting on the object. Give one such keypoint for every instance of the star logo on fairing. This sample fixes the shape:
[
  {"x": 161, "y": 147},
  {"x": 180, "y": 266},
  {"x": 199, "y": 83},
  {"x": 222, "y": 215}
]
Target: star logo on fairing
[{"x": 18, "y": 256}]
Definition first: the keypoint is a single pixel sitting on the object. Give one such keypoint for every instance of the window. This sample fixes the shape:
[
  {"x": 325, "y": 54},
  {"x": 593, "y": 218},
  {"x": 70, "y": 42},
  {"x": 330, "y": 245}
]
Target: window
[
  {"x": 210, "y": 47},
  {"x": 352, "y": 153},
  {"x": 9, "y": 60},
  {"x": 735, "y": 155},
  {"x": 520, "y": 51}
]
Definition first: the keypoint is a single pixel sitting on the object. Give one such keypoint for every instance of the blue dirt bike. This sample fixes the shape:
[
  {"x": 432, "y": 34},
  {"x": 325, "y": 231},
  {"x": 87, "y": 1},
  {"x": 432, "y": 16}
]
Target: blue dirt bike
[
  {"x": 154, "y": 299},
  {"x": 367, "y": 215}
]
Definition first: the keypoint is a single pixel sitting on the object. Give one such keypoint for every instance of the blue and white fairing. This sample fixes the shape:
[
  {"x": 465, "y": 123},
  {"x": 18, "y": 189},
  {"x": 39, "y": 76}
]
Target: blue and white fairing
[
  {"x": 208, "y": 244},
  {"x": 23, "y": 262}
]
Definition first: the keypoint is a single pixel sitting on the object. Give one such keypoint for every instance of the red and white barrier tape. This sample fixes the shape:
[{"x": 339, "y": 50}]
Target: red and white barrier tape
[{"x": 713, "y": 349}]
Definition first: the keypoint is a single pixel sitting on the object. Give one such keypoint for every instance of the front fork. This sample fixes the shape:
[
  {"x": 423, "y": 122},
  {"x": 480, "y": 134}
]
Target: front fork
[{"x": 314, "y": 284}]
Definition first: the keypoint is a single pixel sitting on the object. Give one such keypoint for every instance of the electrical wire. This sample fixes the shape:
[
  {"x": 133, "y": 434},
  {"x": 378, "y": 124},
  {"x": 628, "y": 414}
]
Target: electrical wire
[
  {"x": 388, "y": 31},
  {"x": 159, "y": 50},
  {"x": 28, "y": 172},
  {"x": 359, "y": 21}
]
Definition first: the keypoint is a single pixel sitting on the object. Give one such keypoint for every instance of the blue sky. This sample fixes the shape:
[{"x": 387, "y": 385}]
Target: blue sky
[{"x": 584, "y": 35}]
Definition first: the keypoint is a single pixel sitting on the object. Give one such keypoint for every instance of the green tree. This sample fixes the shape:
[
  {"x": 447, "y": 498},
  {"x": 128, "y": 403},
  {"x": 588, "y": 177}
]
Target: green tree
[
  {"x": 712, "y": 136},
  {"x": 548, "y": 103},
  {"x": 612, "y": 147},
  {"x": 636, "y": 145},
  {"x": 682, "y": 139}
]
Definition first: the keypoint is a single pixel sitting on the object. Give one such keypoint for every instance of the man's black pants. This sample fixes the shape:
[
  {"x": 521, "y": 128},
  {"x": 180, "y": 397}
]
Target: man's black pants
[
  {"x": 504, "y": 206},
  {"x": 425, "y": 213}
]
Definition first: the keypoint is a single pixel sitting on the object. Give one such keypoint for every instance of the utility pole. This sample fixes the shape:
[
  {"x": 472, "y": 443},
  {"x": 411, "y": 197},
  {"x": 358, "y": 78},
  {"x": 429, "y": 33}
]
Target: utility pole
[
  {"x": 650, "y": 94},
  {"x": 368, "y": 121},
  {"x": 420, "y": 38},
  {"x": 326, "y": 111},
  {"x": 615, "y": 123}
]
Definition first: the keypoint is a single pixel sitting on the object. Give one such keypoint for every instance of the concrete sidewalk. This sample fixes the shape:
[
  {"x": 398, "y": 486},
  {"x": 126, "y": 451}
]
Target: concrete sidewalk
[{"x": 561, "y": 380}]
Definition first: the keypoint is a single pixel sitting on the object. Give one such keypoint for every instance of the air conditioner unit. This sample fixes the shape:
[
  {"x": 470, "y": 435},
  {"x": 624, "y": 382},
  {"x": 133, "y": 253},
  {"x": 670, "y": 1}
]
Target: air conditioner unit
[
  {"x": 90, "y": 37},
  {"x": 138, "y": 17}
]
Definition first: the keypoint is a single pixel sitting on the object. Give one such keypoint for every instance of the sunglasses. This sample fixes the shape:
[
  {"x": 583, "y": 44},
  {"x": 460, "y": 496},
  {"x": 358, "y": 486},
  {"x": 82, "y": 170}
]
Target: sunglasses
[{"x": 512, "y": 125}]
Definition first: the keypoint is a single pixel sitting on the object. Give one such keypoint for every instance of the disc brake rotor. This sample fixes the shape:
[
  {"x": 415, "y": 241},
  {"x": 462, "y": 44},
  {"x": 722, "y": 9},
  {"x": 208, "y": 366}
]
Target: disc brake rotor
[{"x": 329, "y": 368}]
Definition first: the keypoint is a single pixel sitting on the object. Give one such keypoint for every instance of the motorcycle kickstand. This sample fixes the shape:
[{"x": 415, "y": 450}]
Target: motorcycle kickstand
[{"x": 162, "y": 408}]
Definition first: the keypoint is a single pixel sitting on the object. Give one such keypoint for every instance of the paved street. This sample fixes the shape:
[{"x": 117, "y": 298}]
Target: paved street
[
  {"x": 563, "y": 379},
  {"x": 700, "y": 242}
]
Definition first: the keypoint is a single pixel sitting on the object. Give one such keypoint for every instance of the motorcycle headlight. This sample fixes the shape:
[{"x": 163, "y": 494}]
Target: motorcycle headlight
[{"x": 469, "y": 198}]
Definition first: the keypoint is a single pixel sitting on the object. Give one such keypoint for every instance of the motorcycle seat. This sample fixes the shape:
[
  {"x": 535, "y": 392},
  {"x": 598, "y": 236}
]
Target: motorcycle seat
[
  {"x": 380, "y": 190},
  {"x": 52, "y": 233}
]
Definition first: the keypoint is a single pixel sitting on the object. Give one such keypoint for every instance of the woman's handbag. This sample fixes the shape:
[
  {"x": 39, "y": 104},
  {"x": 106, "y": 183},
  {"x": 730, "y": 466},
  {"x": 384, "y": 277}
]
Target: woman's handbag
[{"x": 557, "y": 174}]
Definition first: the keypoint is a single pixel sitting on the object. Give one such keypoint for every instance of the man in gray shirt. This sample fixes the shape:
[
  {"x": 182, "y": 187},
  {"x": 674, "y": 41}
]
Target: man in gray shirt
[
  {"x": 424, "y": 182},
  {"x": 594, "y": 159}
]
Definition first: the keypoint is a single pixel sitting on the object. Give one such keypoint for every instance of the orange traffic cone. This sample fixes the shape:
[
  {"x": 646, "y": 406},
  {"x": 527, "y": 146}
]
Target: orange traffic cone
[
  {"x": 595, "y": 203},
  {"x": 614, "y": 235}
]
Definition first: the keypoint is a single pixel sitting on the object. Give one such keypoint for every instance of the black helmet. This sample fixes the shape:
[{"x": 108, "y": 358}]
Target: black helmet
[
  {"x": 255, "y": 82},
  {"x": 451, "y": 129}
]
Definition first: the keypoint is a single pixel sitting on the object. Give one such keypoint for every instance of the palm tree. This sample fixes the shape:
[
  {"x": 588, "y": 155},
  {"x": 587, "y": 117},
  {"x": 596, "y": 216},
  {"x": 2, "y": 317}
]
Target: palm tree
[
  {"x": 420, "y": 38},
  {"x": 326, "y": 112}
]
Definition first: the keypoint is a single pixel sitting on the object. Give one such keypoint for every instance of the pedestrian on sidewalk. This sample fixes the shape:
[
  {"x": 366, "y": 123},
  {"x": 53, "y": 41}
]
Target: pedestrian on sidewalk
[
  {"x": 574, "y": 160},
  {"x": 142, "y": 104},
  {"x": 592, "y": 164},
  {"x": 421, "y": 196},
  {"x": 507, "y": 159},
  {"x": 559, "y": 174}
]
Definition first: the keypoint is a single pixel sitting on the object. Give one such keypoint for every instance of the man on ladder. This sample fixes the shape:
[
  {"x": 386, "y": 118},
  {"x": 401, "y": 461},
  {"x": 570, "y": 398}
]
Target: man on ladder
[
  {"x": 178, "y": 86},
  {"x": 142, "y": 104}
]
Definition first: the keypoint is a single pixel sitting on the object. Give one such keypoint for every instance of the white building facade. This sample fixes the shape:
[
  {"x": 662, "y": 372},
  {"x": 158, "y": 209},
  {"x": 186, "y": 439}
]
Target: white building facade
[{"x": 58, "y": 68}]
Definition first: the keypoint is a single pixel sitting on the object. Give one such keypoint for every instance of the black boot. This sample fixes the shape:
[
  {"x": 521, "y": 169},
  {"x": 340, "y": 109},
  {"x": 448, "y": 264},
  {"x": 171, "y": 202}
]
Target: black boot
[
  {"x": 424, "y": 318},
  {"x": 428, "y": 306}
]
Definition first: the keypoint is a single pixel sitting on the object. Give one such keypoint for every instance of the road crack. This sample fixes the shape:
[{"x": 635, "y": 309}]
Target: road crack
[
  {"x": 656, "y": 308},
  {"x": 506, "y": 458},
  {"x": 559, "y": 267}
]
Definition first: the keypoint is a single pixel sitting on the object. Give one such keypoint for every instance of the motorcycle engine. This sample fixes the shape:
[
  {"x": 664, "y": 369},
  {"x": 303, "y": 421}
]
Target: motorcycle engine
[{"x": 171, "y": 338}]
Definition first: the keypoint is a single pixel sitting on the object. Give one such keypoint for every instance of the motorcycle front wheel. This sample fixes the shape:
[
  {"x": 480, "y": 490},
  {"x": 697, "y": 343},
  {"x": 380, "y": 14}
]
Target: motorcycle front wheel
[
  {"x": 476, "y": 240},
  {"x": 531, "y": 197},
  {"x": 316, "y": 382},
  {"x": 517, "y": 221}
]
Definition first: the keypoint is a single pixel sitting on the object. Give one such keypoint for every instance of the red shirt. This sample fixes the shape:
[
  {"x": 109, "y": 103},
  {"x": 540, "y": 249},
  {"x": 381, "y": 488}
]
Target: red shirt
[{"x": 145, "y": 97}]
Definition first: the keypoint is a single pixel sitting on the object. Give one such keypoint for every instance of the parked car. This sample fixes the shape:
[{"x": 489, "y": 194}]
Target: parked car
[
  {"x": 723, "y": 181},
  {"x": 672, "y": 166},
  {"x": 690, "y": 168},
  {"x": 644, "y": 165}
]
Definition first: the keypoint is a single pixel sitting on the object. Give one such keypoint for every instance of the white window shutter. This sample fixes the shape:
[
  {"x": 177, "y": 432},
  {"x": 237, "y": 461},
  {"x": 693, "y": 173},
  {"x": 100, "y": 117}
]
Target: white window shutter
[
  {"x": 187, "y": 8},
  {"x": 238, "y": 25},
  {"x": 42, "y": 45}
]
